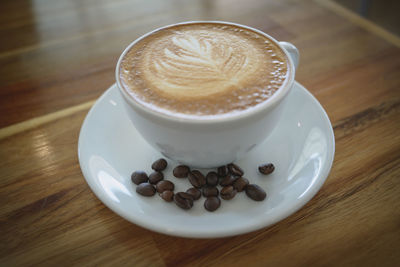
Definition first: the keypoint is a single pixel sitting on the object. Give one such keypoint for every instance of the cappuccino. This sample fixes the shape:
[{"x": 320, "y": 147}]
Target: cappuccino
[{"x": 202, "y": 70}]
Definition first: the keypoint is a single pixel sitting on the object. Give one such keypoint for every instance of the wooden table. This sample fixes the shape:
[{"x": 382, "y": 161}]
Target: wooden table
[{"x": 57, "y": 57}]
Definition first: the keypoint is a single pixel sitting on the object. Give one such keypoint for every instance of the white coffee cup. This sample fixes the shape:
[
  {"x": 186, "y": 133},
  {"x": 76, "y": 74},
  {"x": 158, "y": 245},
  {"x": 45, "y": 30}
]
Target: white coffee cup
[{"x": 209, "y": 142}]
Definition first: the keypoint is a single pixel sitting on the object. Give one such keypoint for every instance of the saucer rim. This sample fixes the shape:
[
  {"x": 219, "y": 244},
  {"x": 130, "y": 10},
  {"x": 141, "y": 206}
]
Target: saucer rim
[{"x": 323, "y": 175}]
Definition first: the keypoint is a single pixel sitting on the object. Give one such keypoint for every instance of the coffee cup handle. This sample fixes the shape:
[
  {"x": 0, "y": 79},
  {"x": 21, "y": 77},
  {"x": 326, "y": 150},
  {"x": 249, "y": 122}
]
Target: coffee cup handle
[{"x": 293, "y": 52}]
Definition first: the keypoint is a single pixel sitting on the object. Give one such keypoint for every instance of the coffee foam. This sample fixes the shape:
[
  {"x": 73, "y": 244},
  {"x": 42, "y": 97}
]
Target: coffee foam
[{"x": 203, "y": 69}]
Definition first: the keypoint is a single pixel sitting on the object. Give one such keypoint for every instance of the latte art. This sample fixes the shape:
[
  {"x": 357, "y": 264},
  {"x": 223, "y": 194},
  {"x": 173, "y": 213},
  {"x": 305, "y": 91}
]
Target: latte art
[
  {"x": 199, "y": 66},
  {"x": 203, "y": 69}
]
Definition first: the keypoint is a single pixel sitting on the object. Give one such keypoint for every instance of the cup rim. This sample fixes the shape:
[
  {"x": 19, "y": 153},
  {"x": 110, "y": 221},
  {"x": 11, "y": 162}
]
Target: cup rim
[{"x": 276, "y": 98}]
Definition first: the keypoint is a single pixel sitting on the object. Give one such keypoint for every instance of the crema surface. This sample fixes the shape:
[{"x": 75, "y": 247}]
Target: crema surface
[{"x": 203, "y": 69}]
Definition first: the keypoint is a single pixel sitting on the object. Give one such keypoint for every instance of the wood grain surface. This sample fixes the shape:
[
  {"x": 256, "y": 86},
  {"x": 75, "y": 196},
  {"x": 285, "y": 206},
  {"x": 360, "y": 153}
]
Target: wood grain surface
[{"x": 57, "y": 57}]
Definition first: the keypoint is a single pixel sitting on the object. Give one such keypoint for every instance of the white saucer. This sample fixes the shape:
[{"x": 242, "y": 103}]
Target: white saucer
[{"x": 301, "y": 147}]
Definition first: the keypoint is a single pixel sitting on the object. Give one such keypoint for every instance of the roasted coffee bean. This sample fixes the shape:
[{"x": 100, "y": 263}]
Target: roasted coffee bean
[
  {"x": 235, "y": 169},
  {"x": 146, "y": 189},
  {"x": 197, "y": 179},
  {"x": 186, "y": 195},
  {"x": 212, "y": 203},
  {"x": 228, "y": 192},
  {"x": 159, "y": 165},
  {"x": 181, "y": 171},
  {"x": 227, "y": 180},
  {"x": 266, "y": 168},
  {"x": 196, "y": 194},
  {"x": 183, "y": 200},
  {"x": 139, "y": 177},
  {"x": 240, "y": 184},
  {"x": 155, "y": 177},
  {"x": 222, "y": 171},
  {"x": 212, "y": 178},
  {"x": 165, "y": 185},
  {"x": 167, "y": 195},
  {"x": 210, "y": 191},
  {"x": 255, "y": 192}
]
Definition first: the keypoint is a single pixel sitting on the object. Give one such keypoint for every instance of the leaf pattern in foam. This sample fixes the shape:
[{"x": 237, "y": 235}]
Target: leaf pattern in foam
[{"x": 199, "y": 61}]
